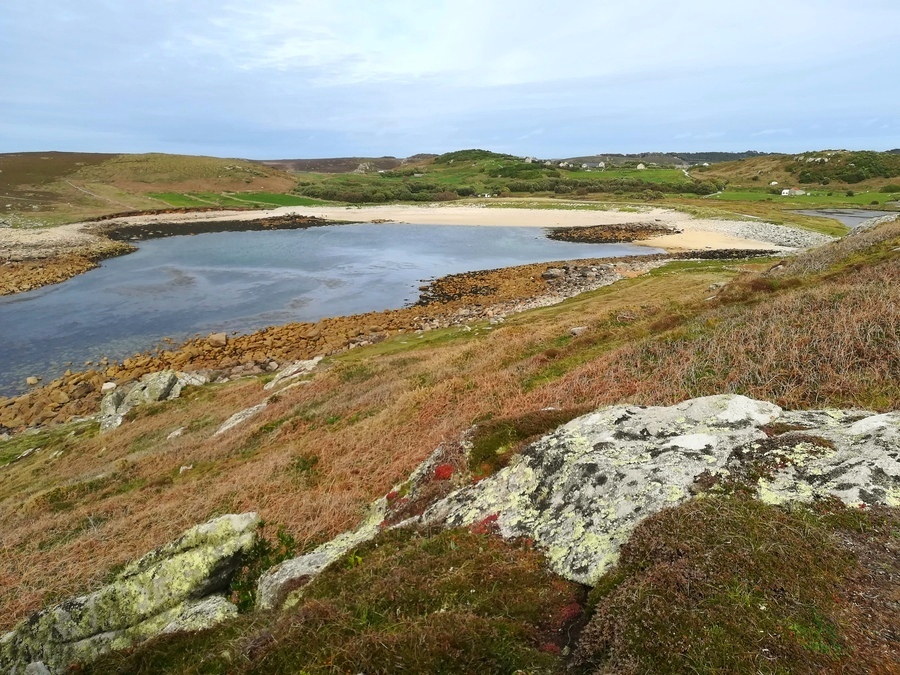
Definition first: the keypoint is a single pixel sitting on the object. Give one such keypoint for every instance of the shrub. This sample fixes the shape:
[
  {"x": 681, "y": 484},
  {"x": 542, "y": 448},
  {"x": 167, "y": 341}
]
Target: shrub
[
  {"x": 408, "y": 602},
  {"x": 723, "y": 584},
  {"x": 264, "y": 554},
  {"x": 496, "y": 441}
]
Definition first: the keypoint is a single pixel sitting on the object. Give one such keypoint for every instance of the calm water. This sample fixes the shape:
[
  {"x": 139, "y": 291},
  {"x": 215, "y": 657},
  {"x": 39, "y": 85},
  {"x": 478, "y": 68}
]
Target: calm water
[
  {"x": 243, "y": 281},
  {"x": 849, "y": 217}
]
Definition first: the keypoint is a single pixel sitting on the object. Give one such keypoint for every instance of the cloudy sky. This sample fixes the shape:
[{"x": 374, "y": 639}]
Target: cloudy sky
[{"x": 320, "y": 78}]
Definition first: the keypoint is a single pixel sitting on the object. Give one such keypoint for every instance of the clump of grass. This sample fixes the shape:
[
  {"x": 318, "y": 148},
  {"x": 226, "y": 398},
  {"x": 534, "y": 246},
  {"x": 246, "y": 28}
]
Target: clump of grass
[
  {"x": 452, "y": 602},
  {"x": 304, "y": 467},
  {"x": 728, "y": 584},
  {"x": 494, "y": 442},
  {"x": 263, "y": 555}
]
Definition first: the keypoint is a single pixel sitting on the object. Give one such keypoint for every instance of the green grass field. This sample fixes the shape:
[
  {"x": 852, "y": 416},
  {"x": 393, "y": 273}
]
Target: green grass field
[
  {"x": 815, "y": 198},
  {"x": 235, "y": 199},
  {"x": 650, "y": 175}
]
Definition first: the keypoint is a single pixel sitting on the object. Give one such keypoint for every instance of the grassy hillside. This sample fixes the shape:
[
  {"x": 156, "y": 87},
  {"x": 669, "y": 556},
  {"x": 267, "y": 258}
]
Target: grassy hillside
[
  {"x": 50, "y": 188},
  {"x": 821, "y": 330},
  {"x": 53, "y": 187},
  {"x": 838, "y": 169},
  {"x": 468, "y": 173}
]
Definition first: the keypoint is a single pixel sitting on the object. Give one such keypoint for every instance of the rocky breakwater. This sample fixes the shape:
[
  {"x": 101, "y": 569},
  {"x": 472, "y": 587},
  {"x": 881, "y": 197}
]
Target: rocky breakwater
[
  {"x": 611, "y": 234},
  {"x": 175, "y": 588},
  {"x": 454, "y": 300},
  {"x": 127, "y": 230},
  {"x": 20, "y": 272},
  {"x": 580, "y": 491}
]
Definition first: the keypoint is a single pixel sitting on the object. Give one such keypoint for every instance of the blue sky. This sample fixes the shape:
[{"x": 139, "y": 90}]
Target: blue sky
[{"x": 303, "y": 78}]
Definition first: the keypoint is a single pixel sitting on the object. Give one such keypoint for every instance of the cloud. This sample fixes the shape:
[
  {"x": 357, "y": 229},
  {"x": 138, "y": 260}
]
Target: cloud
[
  {"x": 281, "y": 77},
  {"x": 771, "y": 132}
]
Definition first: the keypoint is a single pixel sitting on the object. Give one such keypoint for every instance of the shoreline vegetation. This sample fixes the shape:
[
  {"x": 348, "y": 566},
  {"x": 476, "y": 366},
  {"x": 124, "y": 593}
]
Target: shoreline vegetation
[{"x": 53, "y": 255}]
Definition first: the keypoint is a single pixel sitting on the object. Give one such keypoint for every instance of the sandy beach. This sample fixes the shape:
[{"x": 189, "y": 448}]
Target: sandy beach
[{"x": 695, "y": 233}]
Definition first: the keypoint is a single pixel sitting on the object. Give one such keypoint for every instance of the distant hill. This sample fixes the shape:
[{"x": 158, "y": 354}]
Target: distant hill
[
  {"x": 824, "y": 167},
  {"x": 51, "y": 187},
  {"x": 335, "y": 164},
  {"x": 368, "y": 164},
  {"x": 666, "y": 158}
]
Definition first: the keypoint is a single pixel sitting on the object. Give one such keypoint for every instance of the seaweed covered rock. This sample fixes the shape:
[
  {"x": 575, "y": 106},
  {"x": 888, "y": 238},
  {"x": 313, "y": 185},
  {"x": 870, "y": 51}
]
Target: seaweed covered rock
[{"x": 175, "y": 588}]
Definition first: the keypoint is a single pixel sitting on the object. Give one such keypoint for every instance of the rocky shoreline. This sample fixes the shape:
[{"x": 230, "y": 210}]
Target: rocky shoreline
[
  {"x": 122, "y": 232},
  {"x": 36, "y": 261},
  {"x": 455, "y": 300},
  {"x": 610, "y": 234},
  {"x": 18, "y": 276}
]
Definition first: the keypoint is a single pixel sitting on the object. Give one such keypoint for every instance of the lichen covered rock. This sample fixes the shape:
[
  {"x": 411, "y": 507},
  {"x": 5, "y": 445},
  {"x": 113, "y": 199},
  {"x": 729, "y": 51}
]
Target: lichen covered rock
[
  {"x": 170, "y": 589},
  {"x": 165, "y": 385},
  {"x": 581, "y": 491}
]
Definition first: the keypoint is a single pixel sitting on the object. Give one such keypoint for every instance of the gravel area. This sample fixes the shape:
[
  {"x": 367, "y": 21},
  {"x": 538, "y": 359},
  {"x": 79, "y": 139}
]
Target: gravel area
[{"x": 779, "y": 235}]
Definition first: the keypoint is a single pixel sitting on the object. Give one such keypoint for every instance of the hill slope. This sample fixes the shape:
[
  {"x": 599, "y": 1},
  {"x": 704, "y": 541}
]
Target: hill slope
[
  {"x": 53, "y": 187},
  {"x": 838, "y": 168},
  {"x": 818, "y": 331}
]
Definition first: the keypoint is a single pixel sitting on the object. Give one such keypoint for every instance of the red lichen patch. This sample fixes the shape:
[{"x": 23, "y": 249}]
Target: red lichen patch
[{"x": 443, "y": 472}]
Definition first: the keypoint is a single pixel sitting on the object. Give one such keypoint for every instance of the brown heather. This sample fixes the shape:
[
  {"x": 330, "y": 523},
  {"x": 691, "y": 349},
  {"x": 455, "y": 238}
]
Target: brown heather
[{"x": 371, "y": 415}]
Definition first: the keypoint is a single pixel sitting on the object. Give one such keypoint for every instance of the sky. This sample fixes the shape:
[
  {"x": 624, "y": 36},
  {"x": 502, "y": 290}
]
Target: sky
[{"x": 274, "y": 79}]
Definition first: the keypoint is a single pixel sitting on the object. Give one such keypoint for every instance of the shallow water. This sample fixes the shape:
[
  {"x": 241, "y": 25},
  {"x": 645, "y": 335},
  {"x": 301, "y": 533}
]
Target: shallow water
[
  {"x": 849, "y": 217},
  {"x": 241, "y": 281}
]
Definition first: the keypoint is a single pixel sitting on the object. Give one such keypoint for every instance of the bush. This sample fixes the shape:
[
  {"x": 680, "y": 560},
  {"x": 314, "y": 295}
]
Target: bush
[
  {"x": 408, "y": 602},
  {"x": 723, "y": 584},
  {"x": 264, "y": 554}
]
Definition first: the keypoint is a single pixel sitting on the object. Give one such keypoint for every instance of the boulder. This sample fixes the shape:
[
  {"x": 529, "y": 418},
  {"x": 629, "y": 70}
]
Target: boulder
[
  {"x": 277, "y": 583},
  {"x": 165, "y": 385},
  {"x": 32, "y": 381},
  {"x": 240, "y": 417},
  {"x": 293, "y": 371},
  {"x": 553, "y": 273},
  {"x": 217, "y": 340},
  {"x": 580, "y": 491},
  {"x": 176, "y": 587}
]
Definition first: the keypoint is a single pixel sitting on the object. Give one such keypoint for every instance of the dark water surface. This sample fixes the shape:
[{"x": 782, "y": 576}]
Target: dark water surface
[{"x": 243, "y": 281}]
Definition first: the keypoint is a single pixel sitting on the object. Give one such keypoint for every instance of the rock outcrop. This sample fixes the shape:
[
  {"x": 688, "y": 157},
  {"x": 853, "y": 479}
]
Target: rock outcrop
[
  {"x": 580, "y": 491},
  {"x": 162, "y": 386},
  {"x": 174, "y": 588}
]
